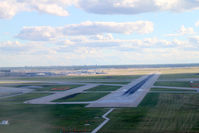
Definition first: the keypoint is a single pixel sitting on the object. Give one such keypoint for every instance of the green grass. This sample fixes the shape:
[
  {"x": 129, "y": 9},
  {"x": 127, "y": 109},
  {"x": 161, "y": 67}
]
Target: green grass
[
  {"x": 4, "y": 94},
  {"x": 173, "y": 84},
  {"x": 82, "y": 97},
  {"x": 49, "y": 87},
  {"x": 23, "y": 97},
  {"x": 158, "y": 113},
  {"x": 96, "y": 77},
  {"x": 21, "y": 84},
  {"x": 110, "y": 82},
  {"x": 48, "y": 118},
  {"x": 179, "y": 76},
  {"x": 104, "y": 88},
  {"x": 165, "y": 89},
  {"x": 150, "y": 100}
]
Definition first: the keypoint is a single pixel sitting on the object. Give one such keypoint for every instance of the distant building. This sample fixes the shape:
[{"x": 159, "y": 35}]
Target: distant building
[
  {"x": 40, "y": 74},
  {"x": 5, "y": 71}
]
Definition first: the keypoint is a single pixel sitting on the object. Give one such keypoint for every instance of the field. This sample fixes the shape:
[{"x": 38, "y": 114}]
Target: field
[
  {"x": 165, "y": 89},
  {"x": 24, "y": 97},
  {"x": 164, "y": 111},
  {"x": 47, "y": 87},
  {"x": 173, "y": 83},
  {"x": 48, "y": 118},
  {"x": 83, "y": 97},
  {"x": 179, "y": 75},
  {"x": 85, "y": 78},
  {"x": 110, "y": 82},
  {"x": 104, "y": 88}
]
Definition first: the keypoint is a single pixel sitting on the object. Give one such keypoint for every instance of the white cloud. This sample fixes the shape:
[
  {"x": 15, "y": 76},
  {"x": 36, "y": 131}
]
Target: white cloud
[
  {"x": 31, "y": 48},
  {"x": 194, "y": 40},
  {"x": 89, "y": 28},
  {"x": 45, "y": 33},
  {"x": 197, "y": 24},
  {"x": 12, "y": 47},
  {"x": 136, "y": 6},
  {"x": 98, "y": 49},
  {"x": 183, "y": 31},
  {"x": 39, "y": 33},
  {"x": 9, "y": 8}
]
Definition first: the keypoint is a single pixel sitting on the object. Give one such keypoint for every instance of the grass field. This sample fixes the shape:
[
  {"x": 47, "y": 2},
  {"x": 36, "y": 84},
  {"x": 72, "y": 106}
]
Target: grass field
[
  {"x": 22, "y": 84},
  {"x": 173, "y": 84},
  {"x": 82, "y": 97},
  {"x": 94, "y": 77},
  {"x": 104, "y": 88},
  {"x": 179, "y": 76},
  {"x": 48, "y": 118},
  {"x": 4, "y": 94},
  {"x": 47, "y": 87},
  {"x": 11, "y": 82},
  {"x": 23, "y": 97},
  {"x": 158, "y": 113},
  {"x": 167, "y": 89},
  {"x": 110, "y": 82},
  {"x": 25, "y": 118}
]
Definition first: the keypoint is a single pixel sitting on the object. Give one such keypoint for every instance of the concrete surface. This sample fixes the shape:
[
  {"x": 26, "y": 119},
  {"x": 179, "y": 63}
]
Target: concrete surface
[{"x": 117, "y": 99}]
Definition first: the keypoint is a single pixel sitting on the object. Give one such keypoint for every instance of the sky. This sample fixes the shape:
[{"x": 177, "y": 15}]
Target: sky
[{"x": 98, "y": 32}]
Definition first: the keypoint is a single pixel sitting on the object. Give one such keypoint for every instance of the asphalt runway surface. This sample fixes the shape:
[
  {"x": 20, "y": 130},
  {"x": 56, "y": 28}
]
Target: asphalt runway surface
[{"x": 128, "y": 96}]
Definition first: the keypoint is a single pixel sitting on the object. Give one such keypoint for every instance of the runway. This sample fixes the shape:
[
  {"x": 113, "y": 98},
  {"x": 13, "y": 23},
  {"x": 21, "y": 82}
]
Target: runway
[{"x": 128, "y": 96}]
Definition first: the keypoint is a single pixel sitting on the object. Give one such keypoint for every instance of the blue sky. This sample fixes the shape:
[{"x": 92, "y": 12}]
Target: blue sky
[{"x": 104, "y": 32}]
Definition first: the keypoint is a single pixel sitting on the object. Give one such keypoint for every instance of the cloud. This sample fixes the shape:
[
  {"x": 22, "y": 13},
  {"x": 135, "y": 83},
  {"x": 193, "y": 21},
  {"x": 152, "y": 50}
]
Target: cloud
[
  {"x": 197, "y": 24},
  {"x": 46, "y": 33},
  {"x": 12, "y": 47},
  {"x": 183, "y": 31},
  {"x": 9, "y": 8},
  {"x": 40, "y": 33},
  {"x": 30, "y": 48},
  {"x": 194, "y": 40},
  {"x": 101, "y": 49},
  {"x": 136, "y": 6}
]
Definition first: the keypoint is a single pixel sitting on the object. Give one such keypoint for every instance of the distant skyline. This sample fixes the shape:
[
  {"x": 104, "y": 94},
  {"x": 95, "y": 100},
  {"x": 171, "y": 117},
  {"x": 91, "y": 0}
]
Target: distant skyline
[{"x": 103, "y": 32}]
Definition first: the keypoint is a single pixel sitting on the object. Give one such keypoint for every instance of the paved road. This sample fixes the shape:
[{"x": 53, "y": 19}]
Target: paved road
[
  {"x": 117, "y": 99},
  {"x": 104, "y": 122},
  {"x": 58, "y": 95}
]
